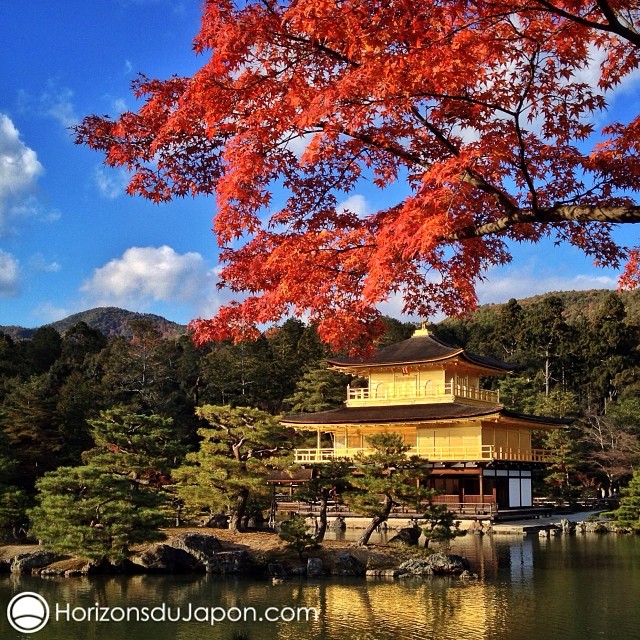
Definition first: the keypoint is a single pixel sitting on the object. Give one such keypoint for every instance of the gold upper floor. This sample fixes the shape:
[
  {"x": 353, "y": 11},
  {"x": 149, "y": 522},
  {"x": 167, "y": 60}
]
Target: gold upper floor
[
  {"x": 383, "y": 395},
  {"x": 419, "y": 385},
  {"x": 420, "y": 370}
]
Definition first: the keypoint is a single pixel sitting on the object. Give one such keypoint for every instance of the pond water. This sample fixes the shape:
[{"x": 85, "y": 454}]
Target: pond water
[{"x": 571, "y": 587}]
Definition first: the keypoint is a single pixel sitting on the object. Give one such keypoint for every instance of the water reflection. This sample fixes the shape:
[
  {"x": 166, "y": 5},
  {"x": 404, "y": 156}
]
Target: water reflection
[{"x": 570, "y": 587}]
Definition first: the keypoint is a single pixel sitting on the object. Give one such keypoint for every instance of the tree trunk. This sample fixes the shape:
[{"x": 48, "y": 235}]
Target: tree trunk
[
  {"x": 322, "y": 529},
  {"x": 376, "y": 521},
  {"x": 547, "y": 374},
  {"x": 235, "y": 522}
]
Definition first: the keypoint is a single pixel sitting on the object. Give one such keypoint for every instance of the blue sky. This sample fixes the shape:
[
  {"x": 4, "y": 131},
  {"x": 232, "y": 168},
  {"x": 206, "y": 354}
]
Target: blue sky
[{"x": 70, "y": 239}]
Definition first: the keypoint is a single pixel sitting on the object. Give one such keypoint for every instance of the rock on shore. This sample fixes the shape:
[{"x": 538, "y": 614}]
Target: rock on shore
[{"x": 253, "y": 553}]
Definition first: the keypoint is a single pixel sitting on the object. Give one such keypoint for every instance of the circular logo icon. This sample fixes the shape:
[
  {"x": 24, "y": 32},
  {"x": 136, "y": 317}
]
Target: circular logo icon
[{"x": 28, "y": 612}]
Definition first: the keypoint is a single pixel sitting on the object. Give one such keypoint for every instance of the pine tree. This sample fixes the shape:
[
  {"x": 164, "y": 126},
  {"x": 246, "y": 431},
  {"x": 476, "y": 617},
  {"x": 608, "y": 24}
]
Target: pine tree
[
  {"x": 95, "y": 514},
  {"x": 627, "y": 515},
  {"x": 13, "y": 500},
  {"x": 295, "y": 532},
  {"x": 384, "y": 479},
  {"x": 139, "y": 373},
  {"x": 610, "y": 349},
  {"x": 117, "y": 498},
  {"x": 29, "y": 421},
  {"x": 134, "y": 446},
  {"x": 319, "y": 389},
  {"x": 546, "y": 337},
  {"x": 440, "y": 525},
  {"x": 561, "y": 477},
  {"x": 508, "y": 330},
  {"x": 237, "y": 453},
  {"x": 328, "y": 481}
]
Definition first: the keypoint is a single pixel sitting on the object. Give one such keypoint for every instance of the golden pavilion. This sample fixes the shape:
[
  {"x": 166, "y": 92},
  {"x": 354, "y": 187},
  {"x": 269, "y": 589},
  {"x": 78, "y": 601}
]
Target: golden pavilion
[{"x": 480, "y": 453}]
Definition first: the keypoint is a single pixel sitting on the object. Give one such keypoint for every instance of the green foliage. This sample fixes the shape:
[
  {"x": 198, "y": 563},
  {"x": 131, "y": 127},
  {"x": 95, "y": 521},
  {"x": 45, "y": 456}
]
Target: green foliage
[
  {"x": 518, "y": 393},
  {"x": 440, "y": 525},
  {"x": 509, "y": 335},
  {"x": 561, "y": 477},
  {"x": 13, "y": 506},
  {"x": 329, "y": 481},
  {"x": 44, "y": 349},
  {"x": 138, "y": 373},
  {"x": 385, "y": 478},
  {"x": 238, "y": 450},
  {"x": 117, "y": 498},
  {"x": 134, "y": 445},
  {"x": 610, "y": 348},
  {"x": 80, "y": 342},
  {"x": 95, "y": 514},
  {"x": 13, "y": 500},
  {"x": 52, "y": 388},
  {"x": 558, "y": 404},
  {"x": 627, "y": 515},
  {"x": 295, "y": 532},
  {"x": 319, "y": 389},
  {"x": 32, "y": 428},
  {"x": 625, "y": 413},
  {"x": 261, "y": 373}
]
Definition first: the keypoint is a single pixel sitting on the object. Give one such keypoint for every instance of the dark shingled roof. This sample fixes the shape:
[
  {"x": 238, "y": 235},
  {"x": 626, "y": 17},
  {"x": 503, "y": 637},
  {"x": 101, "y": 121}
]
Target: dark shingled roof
[
  {"x": 422, "y": 348},
  {"x": 393, "y": 413},
  {"x": 410, "y": 413}
]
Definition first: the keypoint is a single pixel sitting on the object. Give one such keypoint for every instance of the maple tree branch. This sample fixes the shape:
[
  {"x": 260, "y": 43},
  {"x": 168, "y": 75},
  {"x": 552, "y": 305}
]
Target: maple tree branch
[
  {"x": 433, "y": 95},
  {"x": 522, "y": 156},
  {"x": 470, "y": 176},
  {"x": 319, "y": 46},
  {"x": 550, "y": 215},
  {"x": 614, "y": 26},
  {"x": 383, "y": 145}
]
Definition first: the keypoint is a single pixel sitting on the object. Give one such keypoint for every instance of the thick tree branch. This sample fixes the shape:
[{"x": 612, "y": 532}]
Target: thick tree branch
[
  {"x": 549, "y": 215},
  {"x": 614, "y": 25}
]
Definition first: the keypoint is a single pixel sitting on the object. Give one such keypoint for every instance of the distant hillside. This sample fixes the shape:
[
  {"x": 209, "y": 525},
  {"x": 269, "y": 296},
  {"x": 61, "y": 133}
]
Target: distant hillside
[
  {"x": 581, "y": 304},
  {"x": 111, "y": 321}
]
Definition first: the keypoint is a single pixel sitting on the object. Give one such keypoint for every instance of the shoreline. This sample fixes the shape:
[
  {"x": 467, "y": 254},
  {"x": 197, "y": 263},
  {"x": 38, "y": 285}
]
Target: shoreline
[
  {"x": 252, "y": 553},
  {"x": 261, "y": 553}
]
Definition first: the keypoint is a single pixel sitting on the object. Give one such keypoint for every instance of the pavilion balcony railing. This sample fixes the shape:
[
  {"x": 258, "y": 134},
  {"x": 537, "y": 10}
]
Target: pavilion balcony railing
[
  {"x": 430, "y": 394},
  {"x": 470, "y": 505},
  {"x": 433, "y": 454}
]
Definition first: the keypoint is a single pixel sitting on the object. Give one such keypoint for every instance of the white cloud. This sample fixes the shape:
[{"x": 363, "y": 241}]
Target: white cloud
[
  {"x": 298, "y": 144},
  {"x": 356, "y": 204},
  {"x": 146, "y": 274},
  {"x": 55, "y": 102},
  {"x": 30, "y": 207},
  {"x": 58, "y": 104},
  {"x": 49, "y": 312},
  {"x": 119, "y": 105},
  {"x": 38, "y": 262},
  {"x": 19, "y": 170},
  {"x": 9, "y": 275},
  {"x": 111, "y": 183},
  {"x": 393, "y": 307}
]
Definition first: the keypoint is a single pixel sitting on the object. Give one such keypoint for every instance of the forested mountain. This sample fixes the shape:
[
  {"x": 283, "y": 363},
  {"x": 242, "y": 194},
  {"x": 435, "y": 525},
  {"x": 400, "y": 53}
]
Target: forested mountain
[{"x": 110, "y": 321}]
